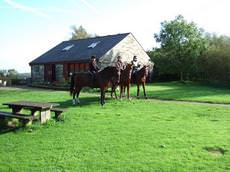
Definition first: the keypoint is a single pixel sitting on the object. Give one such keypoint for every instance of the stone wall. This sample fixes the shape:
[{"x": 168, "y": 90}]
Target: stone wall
[
  {"x": 37, "y": 73},
  {"x": 127, "y": 48}
]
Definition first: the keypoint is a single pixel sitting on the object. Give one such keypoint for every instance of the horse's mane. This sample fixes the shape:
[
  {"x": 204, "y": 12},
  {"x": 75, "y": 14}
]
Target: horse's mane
[
  {"x": 108, "y": 68},
  {"x": 142, "y": 70},
  {"x": 107, "y": 71}
]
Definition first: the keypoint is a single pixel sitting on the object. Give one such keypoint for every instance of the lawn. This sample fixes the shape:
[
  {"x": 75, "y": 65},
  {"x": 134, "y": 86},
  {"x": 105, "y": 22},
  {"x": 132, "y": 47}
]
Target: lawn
[
  {"x": 136, "y": 135},
  {"x": 189, "y": 91}
]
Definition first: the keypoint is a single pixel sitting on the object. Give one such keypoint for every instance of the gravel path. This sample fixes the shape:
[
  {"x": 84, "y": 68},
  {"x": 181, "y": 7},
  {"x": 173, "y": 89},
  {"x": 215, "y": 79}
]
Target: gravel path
[{"x": 191, "y": 102}]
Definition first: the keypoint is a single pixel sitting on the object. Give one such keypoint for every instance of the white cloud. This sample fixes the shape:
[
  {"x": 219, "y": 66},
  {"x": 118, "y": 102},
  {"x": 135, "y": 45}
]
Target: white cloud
[
  {"x": 90, "y": 6},
  {"x": 26, "y": 8}
]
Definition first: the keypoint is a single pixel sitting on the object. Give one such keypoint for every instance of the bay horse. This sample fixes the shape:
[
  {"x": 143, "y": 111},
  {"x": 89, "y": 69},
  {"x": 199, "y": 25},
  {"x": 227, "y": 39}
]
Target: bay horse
[
  {"x": 84, "y": 79},
  {"x": 125, "y": 79},
  {"x": 139, "y": 78}
]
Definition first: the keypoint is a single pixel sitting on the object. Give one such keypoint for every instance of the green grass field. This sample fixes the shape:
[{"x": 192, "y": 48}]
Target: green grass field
[
  {"x": 137, "y": 135},
  {"x": 187, "y": 92}
]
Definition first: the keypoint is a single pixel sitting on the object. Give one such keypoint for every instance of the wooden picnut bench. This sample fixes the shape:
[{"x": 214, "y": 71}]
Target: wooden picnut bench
[
  {"x": 57, "y": 112},
  {"x": 24, "y": 119},
  {"x": 44, "y": 110}
]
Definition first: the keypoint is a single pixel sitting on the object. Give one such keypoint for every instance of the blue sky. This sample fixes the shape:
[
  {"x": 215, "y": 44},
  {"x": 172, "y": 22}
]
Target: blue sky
[{"x": 31, "y": 27}]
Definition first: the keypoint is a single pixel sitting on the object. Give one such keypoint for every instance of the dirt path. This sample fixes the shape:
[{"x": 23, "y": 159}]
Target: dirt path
[
  {"x": 191, "y": 102},
  {"x": 24, "y": 88}
]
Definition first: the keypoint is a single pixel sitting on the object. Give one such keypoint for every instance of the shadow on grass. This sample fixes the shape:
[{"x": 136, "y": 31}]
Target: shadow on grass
[
  {"x": 182, "y": 92},
  {"x": 6, "y": 129},
  {"x": 84, "y": 101}
]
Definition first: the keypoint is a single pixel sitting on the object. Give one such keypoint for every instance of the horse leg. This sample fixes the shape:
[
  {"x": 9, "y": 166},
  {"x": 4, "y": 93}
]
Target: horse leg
[
  {"x": 115, "y": 93},
  {"x": 121, "y": 89},
  {"x": 74, "y": 98},
  {"x": 124, "y": 88},
  {"x": 113, "y": 90},
  {"x": 128, "y": 93},
  {"x": 138, "y": 91},
  {"x": 78, "y": 92},
  {"x": 143, "y": 85},
  {"x": 102, "y": 96}
]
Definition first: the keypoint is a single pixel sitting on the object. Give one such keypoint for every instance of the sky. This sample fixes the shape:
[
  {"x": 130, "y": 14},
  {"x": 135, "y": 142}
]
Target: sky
[{"x": 29, "y": 28}]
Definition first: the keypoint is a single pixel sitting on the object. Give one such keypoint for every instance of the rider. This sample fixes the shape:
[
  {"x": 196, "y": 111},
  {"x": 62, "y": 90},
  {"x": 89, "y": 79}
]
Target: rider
[
  {"x": 136, "y": 67},
  {"x": 119, "y": 64},
  {"x": 93, "y": 67},
  {"x": 135, "y": 64}
]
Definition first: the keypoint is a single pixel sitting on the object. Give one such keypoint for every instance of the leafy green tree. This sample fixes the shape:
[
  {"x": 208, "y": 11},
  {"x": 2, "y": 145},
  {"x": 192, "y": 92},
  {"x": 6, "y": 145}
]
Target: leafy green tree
[
  {"x": 3, "y": 73},
  {"x": 79, "y": 33},
  {"x": 215, "y": 63},
  {"x": 181, "y": 43},
  {"x": 12, "y": 73}
]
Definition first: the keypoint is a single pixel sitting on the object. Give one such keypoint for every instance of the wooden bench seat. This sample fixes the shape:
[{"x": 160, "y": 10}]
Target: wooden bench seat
[
  {"x": 23, "y": 118},
  {"x": 57, "y": 112}
]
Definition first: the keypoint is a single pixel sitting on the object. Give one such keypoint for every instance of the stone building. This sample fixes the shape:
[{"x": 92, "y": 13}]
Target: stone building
[{"x": 74, "y": 55}]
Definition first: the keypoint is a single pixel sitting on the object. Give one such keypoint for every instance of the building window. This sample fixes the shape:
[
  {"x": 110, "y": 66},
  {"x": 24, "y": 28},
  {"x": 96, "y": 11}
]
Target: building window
[{"x": 36, "y": 68}]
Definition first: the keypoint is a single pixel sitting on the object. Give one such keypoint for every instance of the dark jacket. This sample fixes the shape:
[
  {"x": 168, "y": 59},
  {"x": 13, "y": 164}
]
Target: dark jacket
[{"x": 93, "y": 66}]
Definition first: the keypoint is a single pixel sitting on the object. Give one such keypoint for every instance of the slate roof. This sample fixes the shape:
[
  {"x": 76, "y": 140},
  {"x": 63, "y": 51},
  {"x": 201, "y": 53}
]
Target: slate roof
[{"x": 80, "y": 51}]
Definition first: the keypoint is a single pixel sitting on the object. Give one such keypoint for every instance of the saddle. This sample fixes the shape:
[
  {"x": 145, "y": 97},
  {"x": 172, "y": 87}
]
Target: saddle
[
  {"x": 133, "y": 75},
  {"x": 93, "y": 76}
]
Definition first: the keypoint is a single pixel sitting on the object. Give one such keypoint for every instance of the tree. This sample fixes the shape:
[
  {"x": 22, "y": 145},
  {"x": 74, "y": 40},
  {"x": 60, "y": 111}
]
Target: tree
[
  {"x": 182, "y": 43},
  {"x": 12, "y": 73},
  {"x": 79, "y": 33},
  {"x": 3, "y": 73},
  {"x": 214, "y": 65}
]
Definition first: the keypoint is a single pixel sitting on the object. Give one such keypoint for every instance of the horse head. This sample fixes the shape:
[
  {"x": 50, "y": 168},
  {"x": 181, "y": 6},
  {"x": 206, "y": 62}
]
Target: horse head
[
  {"x": 144, "y": 70},
  {"x": 117, "y": 75},
  {"x": 111, "y": 73},
  {"x": 129, "y": 66}
]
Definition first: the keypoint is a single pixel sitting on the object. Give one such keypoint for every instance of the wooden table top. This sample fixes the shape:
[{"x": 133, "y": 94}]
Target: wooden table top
[{"x": 29, "y": 104}]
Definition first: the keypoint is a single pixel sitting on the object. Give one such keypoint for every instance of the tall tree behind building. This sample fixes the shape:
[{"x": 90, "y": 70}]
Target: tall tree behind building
[
  {"x": 79, "y": 33},
  {"x": 181, "y": 43}
]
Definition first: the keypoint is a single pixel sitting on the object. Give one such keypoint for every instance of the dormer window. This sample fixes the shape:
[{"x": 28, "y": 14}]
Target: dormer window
[
  {"x": 67, "y": 48},
  {"x": 94, "y": 44}
]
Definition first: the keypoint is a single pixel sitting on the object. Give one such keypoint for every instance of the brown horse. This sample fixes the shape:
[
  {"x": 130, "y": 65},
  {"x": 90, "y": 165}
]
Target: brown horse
[
  {"x": 103, "y": 78},
  {"x": 139, "y": 78},
  {"x": 124, "y": 81}
]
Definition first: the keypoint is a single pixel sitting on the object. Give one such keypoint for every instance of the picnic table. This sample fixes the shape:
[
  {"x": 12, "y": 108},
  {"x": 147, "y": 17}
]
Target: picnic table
[{"x": 44, "y": 110}]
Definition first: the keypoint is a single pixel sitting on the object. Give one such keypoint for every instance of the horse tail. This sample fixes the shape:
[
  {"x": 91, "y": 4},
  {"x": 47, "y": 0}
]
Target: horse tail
[{"x": 72, "y": 84}]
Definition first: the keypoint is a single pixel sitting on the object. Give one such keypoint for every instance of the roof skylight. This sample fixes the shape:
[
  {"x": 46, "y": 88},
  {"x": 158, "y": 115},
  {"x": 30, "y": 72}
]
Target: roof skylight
[
  {"x": 94, "y": 44},
  {"x": 67, "y": 48}
]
